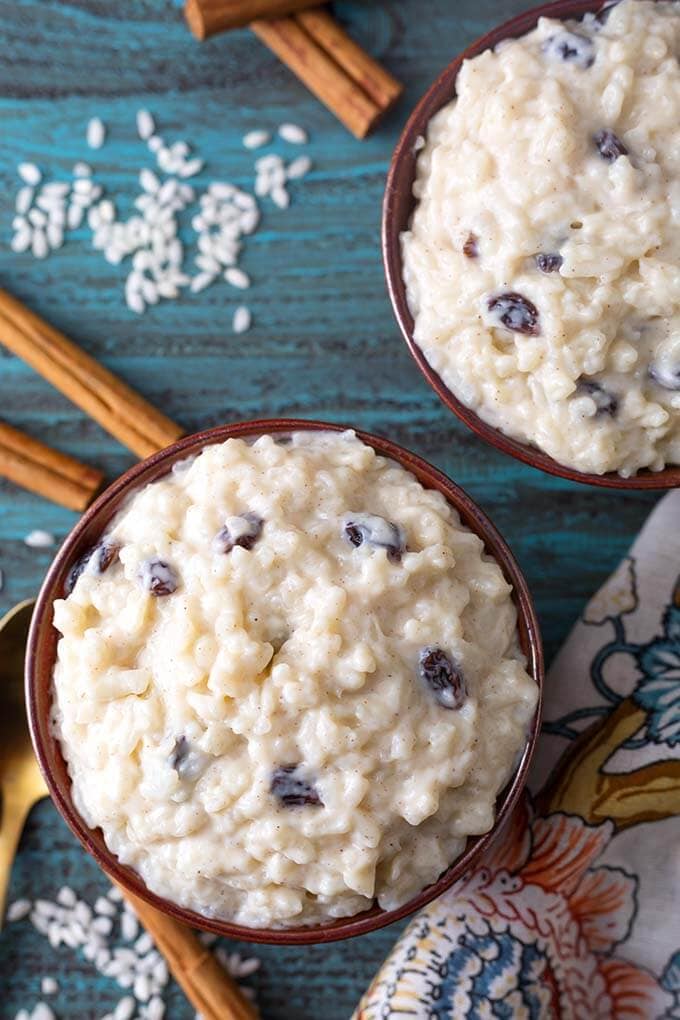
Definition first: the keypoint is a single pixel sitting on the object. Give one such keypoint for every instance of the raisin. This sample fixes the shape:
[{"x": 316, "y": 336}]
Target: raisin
[
  {"x": 443, "y": 678},
  {"x": 292, "y": 790},
  {"x": 609, "y": 145},
  {"x": 377, "y": 532},
  {"x": 665, "y": 376},
  {"x": 605, "y": 402},
  {"x": 243, "y": 531},
  {"x": 158, "y": 577},
  {"x": 571, "y": 47},
  {"x": 188, "y": 762},
  {"x": 97, "y": 560},
  {"x": 548, "y": 262},
  {"x": 471, "y": 247},
  {"x": 179, "y": 755},
  {"x": 515, "y": 312}
]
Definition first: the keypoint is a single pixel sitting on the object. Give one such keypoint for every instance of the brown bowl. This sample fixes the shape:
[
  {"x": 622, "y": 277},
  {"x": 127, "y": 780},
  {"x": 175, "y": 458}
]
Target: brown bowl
[
  {"x": 398, "y": 205},
  {"x": 42, "y": 647}
]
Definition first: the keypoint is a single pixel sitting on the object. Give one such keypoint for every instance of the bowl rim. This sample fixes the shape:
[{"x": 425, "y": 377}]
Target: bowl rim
[
  {"x": 41, "y": 650},
  {"x": 398, "y": 204}
]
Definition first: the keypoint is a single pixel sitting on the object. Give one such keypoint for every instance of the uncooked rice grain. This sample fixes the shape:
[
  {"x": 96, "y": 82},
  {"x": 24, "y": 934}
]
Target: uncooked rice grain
[
  {"x": 298, "y": 168},
  {"x": 293, "y": 134},
  {"x": 256, "y": 139},
  {"x": 145, "y": 125},
  {"x": 125, "y": 1008},
  {"x": 280, "y": 197},
  {"x": 29, "y": 173},
  {"x": 24, "y": 200},
  {"x": 38, "y": 539},
  {"x": 96, "y": 133},
  {"x": 18, "y": 910},
  {"x": 242, "y": 319}
]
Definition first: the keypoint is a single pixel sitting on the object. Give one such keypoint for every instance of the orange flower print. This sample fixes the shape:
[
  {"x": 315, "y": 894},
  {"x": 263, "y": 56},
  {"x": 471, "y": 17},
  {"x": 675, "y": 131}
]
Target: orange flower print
[{"x": 530, "y": 934}]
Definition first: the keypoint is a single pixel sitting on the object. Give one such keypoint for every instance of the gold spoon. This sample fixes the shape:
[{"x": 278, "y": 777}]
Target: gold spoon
[
  {"x": 209, "y": 989},
  {"x": 21, "y": 781}
]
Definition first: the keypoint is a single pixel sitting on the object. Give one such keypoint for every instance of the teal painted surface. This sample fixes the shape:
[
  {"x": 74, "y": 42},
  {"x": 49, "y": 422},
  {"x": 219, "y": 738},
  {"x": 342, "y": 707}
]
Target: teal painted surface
[{"x": 323, "y": 344}]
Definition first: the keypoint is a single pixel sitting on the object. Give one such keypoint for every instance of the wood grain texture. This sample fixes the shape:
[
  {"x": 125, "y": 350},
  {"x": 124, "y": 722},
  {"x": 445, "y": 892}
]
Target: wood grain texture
[{"x": 323, "y": 344}]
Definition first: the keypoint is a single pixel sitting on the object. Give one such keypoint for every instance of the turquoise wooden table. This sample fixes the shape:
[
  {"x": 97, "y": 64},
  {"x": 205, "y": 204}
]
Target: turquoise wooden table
[{"x": 323, "y": 344}]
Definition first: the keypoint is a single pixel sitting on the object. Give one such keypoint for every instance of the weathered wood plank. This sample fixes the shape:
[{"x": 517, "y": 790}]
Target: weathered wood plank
[{"x": 323, "y": 344}]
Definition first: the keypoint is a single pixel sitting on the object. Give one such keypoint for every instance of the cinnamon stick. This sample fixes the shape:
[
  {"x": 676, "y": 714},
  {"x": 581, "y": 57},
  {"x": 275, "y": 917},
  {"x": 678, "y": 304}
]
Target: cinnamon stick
[
  {"x": 375, "y": 81},
  {"x": 307, "y": 58},
  {"x": 207, "y": 17},
  {"x": 94, "y": 389},
  {"x": 39, "y": 468},
  {"x": 207, "y": 986},
  {"x": 314, "y": 46}
]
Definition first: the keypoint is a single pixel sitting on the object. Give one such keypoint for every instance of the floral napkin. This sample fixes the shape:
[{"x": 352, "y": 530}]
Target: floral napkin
[{"x": 574, "y": 912}]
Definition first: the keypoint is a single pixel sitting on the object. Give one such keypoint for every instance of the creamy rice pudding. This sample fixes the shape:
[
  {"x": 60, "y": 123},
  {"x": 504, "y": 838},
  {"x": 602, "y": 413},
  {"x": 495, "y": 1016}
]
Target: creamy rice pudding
[
  {"x": 289, "y": 682},
  {"x": 541, "y": 265}
]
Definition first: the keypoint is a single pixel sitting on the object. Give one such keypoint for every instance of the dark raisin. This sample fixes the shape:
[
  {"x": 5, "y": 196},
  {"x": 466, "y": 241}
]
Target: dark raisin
[
  {"x": 609, "y": 145},
  {"x": 515, "y": 312},
  {"x": 471, "y": 247},
  {"x": 158, "y": 577},
  {"x": 377, "y": 532},
  {"x": 180, "y": 753},
  {"x": 571, "y": 47},
  {"x": 666, "y": 376},
  {"x": 443, "y": 678},
  {"x": 243, "y": 531},
  {"x": 548, "y": 262},
  {"x": 292, "y": 790},
  {"x": 187, "y": 761},
  {"x": 605, "y": 402},
  {"x": 98, "y": 559}
]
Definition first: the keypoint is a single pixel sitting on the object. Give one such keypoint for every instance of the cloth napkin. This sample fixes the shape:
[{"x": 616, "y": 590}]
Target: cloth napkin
[{"x": 574, "y": 912}]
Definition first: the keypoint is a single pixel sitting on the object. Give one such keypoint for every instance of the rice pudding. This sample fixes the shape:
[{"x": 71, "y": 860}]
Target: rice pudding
[
  {"x": 289, "y": 682},
  {"x": 541, "y": 264}
]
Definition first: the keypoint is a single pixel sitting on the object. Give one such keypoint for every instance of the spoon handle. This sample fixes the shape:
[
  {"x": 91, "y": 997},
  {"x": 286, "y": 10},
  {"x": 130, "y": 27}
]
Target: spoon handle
[
  {"x": 15, "y": 807},
  {"x": 207, "y": 986}
]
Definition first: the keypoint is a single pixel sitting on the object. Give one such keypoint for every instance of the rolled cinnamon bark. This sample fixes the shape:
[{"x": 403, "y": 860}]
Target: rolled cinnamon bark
[
  {"x": 99, "y": 393},
  {"x": 56, "y": 476},
  {"x": 207, "y": 17}
]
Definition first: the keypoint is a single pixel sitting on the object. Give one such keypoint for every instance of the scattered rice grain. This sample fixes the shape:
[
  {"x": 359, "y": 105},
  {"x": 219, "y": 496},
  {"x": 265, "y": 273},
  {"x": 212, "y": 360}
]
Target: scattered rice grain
[
  {"x": 48, "y": 986},
  {"x": 298, "y": 168},
  {"x": 242, "y": 319},
  {"x": 96, "y": 133},
  {"x": 38, "y": 539},
  {"x": 66, "y": 896},
  {"x": 191, "y": 168},
  {"x": 55, "y": 236},
  {"x": 37, "y": 218},
  {"x": 145, "y": 125},
  {"x": 201, "y": 281},
  {"x": 142, "y": 988},
  {"x": 125, "y": 1008},
  {"x": 42, "y": 1012},
  {"x": 149, "y": 181},
  {"x": 280, "y": 197},
  {"x": 129, "y": 926},
  {"x": 24, "y": 200},
  {"x": 74, "y": 216},
  {"x": 293, "y": 134},
  {"x": 237, "y": 278},
  {"x": 256, "y": 139},
  {"x": 29, "y": 173},
  {"x": 18, "y": 910},
  {"x": 21, "y": 241}
]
